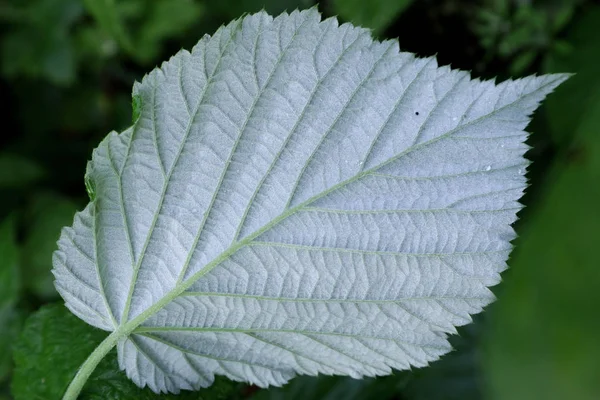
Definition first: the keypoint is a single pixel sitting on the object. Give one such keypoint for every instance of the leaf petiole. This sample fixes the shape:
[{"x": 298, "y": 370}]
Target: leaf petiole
[{"x": 90, "y": 364}]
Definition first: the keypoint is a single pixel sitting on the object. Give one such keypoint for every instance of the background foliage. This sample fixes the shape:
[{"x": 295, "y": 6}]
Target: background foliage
[{"x": 66, "y": 71}]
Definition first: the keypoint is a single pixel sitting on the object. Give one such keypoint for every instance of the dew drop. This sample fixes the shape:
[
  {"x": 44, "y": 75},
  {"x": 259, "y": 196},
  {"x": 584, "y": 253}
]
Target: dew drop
[{"x": 489, "y": 167}]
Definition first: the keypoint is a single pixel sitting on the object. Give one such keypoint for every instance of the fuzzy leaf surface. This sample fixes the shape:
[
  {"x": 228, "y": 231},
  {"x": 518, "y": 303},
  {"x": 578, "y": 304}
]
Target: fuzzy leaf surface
[{"x": 296, "y": 198}]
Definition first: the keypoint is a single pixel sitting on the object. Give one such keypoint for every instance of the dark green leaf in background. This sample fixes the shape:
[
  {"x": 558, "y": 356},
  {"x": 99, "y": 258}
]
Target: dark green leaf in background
[
  {"x": 39, "y": 43},
  {"x": 543, "y": 343},
  {"x": 519, "y": 31},
  {"x": 10, "y": 325},
  {"x": 53, "y": 345},
  {"x": 107, "y": 16},
  {"x": 164, "y": 19},
  {"x": 17, "y": 171},
  {"x": 139, "y": 27},
  {"x": 9, "y": 293},
  {"x": 576, "y": 101},
  {"x": 9, "y": 268},
  {"x": 47, "y": 214}
]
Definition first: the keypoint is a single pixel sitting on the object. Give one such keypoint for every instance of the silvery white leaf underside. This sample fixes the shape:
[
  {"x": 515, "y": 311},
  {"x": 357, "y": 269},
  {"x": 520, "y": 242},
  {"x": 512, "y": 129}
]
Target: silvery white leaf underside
[{"x": 297, "y": 198}]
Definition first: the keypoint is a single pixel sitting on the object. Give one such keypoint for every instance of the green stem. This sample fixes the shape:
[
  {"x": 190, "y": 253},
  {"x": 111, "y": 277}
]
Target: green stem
[{"x": 90, "y": 365}]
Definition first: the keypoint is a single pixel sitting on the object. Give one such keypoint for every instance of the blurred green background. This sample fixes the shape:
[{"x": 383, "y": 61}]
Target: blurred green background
[{"x": 66, "y": 72}]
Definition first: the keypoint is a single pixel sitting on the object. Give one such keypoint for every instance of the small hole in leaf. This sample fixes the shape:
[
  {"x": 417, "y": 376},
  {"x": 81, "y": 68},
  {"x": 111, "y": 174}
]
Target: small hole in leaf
[{"x": 416, "y": 113}]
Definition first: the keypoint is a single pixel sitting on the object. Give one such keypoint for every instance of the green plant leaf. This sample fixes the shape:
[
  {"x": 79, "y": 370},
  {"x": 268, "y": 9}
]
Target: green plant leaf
[
  {"x": 140, "y": 27},
  {"x": 46, "y": 215},
  {"x": 164, "y": 19},
  {"x": 11, "y": 319},
  {"x": 107, "y": 15},
  {"x": 10, "y": 282},
  {"x": 544, "y": 339},
  {"x": 52, "y": 346},
  {"x": 10, "y": 285},
  {"x": 296, "y": 198},
  {"x": 569, "y": 108},
  {"x": 550, "y": 348},
  {"x": 374, "y": 14},
  {"x": 53, "y": 58},
  {"x": 17, "y": 171}
]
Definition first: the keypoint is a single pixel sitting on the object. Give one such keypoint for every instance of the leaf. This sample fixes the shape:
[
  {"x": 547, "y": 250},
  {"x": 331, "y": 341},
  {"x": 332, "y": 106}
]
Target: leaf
[
  {"x": 551, "y": 297},
  {"x": 11, "y": 319},
  {"x": 47, "y": 214},
  {"x": 570, "y": 106},
  {"x": 9, "y": 263},
  {"x": 374, "y": 14},
  {"x": 18, "y": 171},
  {"x": 165, "y": 19},
  {"x": 149, "y": 23},
  {"x": 53, "y": 58},
  {"x": 106, "y": 14},
  {"x": 296, "y": 198},
  {"x": 52, "y": 346},
  {"x": 10, "y": 285},
  {"x": 551, "y": 349}
]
